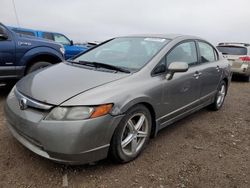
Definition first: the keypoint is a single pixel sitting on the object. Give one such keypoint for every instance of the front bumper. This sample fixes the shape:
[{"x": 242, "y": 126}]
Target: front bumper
[{"x": 71, "y": 142}]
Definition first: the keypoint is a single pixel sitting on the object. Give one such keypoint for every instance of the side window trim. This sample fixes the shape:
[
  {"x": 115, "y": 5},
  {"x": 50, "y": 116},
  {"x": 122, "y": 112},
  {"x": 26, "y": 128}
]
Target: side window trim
[
  {"x": 164, "y": 58},
  {"x": 216, "y": 55}
]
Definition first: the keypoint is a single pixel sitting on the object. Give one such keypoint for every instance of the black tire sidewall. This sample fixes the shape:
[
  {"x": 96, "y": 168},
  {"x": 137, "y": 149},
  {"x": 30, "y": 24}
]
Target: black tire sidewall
[
  {"x": 247, "y": 78},
  {"x": 116, "y": 149},
  {"x": 38, "y": 65}
]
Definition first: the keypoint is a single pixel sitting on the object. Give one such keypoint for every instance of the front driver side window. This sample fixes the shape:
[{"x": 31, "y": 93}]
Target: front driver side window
[{"x": 184, "y": 52}]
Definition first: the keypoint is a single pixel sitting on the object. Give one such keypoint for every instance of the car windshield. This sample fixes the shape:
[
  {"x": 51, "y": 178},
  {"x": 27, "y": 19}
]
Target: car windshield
[
  {"x": 131, "y": 53},
  {"x": 232, "y": 50}
]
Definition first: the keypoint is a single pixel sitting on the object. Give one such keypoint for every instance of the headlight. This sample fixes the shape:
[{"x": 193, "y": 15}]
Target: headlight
[
  {"x": 78, "y": 113},
  {"x": 62, "y": 50}
]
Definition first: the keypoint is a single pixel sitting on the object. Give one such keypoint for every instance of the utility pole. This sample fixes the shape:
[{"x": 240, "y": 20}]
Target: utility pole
[{"x": 14, "y": 6}]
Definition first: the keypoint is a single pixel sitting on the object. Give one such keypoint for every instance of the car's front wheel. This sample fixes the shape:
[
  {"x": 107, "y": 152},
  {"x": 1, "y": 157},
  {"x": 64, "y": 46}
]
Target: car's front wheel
[
  {"x": 131, "y": 135},
  {"x": 220, "y": 96}
]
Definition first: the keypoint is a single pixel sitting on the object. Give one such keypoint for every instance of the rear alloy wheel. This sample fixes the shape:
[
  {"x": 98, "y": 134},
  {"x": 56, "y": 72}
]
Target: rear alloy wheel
[
  {"x": 131, "y": 135},
  {"x": 38, "y": 65},
  {"x": 220, "y": 96}
]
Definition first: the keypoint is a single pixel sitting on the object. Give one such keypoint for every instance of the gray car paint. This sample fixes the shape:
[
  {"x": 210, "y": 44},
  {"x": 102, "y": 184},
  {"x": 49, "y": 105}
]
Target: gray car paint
[
  {"x": 38, "y": 85},
  {"x": 66, "y": 85}
]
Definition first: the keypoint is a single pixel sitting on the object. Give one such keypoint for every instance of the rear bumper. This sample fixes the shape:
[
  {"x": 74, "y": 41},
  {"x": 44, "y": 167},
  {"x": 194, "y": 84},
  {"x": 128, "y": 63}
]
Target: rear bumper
[
  {"x": 244, "y": 69},
  {"x": 70, "y": 142}
]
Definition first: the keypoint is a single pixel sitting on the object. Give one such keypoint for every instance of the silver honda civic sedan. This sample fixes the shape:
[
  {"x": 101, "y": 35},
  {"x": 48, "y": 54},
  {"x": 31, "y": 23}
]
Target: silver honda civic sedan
[{"x": 110, "y": 100}]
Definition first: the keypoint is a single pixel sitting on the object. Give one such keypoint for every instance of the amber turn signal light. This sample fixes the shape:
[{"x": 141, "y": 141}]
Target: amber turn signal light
[{"x": 101, "y": 110}]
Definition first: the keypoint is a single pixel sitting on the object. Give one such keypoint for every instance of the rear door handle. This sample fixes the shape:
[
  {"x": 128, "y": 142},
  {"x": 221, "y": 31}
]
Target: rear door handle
[
  {"x": 197, "y": 74},
  {"x": 218, "y": 68}
]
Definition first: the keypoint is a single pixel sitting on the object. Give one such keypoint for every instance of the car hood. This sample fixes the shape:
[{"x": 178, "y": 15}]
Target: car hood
[{"x": 60, "y": 82}]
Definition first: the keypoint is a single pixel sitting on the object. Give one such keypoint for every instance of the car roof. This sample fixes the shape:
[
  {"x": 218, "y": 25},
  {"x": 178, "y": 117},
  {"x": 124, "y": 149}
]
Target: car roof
[{"x": 166, "y": 36}]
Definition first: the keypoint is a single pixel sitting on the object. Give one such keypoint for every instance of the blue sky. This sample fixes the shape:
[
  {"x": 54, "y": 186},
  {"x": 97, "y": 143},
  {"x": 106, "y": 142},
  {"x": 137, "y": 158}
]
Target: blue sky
[{"x": 97, "y": 20}]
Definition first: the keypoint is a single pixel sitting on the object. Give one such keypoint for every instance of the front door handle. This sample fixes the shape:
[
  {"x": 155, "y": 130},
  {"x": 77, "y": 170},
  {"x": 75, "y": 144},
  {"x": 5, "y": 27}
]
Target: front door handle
[{"x": 197, "y": 74}]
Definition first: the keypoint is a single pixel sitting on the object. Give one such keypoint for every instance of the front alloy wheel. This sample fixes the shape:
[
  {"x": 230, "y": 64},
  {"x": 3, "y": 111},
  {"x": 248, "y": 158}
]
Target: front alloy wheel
[
  {"x": 131, "y": 135},
  {"x": 134, "y": 134}
]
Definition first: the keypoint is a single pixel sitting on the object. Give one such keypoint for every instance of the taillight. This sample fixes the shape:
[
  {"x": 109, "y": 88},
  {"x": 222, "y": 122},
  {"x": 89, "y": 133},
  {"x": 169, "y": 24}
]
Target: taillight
[{"x": 245, "y": 58}]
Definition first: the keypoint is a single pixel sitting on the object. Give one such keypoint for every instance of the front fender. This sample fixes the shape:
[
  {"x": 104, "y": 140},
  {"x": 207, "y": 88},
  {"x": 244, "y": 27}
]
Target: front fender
[
  {"x": 130, "y": 102},
  {"x": 37, "y": 52}
]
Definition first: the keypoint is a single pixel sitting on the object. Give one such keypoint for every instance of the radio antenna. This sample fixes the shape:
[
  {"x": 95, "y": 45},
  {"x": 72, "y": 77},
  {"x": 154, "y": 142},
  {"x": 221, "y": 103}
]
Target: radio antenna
[{"x": 14, "y": 6}]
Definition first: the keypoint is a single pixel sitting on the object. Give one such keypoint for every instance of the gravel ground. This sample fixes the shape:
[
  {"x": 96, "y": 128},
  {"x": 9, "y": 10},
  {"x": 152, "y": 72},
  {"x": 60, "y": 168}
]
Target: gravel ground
[{"x": 206, "y": 149}]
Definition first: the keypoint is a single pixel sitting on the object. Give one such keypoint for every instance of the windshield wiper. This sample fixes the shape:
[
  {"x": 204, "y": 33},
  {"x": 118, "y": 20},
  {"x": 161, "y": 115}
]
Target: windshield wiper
[{"x": 102, "y": 65}]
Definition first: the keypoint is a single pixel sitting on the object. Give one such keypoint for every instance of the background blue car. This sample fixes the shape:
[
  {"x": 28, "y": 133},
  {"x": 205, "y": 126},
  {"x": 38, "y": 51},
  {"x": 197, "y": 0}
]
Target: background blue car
[{"x": 70, "y": 49}]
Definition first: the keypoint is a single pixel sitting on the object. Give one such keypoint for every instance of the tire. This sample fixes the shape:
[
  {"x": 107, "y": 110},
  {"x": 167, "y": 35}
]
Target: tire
[
  {"x": 247, "y": 79},
  {"x": 131, "y": 137},
  {"x": 38, "y": 65},
  {"x": 220, "y": 96}
]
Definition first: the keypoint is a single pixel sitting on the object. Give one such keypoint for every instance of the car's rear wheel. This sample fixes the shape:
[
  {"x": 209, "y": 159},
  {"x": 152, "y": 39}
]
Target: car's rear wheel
[
  {"x": 38, "y": 65},
  {"x": 220, "y": 96},
  {"x": 132, "y": 134},
  {"x": 247, "y": 78}
]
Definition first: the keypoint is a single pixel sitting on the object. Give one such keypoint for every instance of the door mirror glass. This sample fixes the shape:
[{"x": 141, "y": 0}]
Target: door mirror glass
[
  {"x": 71, "y": 43},
  {"x": 176, "y": 67}
]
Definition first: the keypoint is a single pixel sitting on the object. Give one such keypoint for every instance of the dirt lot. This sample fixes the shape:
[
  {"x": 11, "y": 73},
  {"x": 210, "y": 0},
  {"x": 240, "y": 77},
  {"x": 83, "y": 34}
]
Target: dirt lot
[{"x": 207, "y": 149}]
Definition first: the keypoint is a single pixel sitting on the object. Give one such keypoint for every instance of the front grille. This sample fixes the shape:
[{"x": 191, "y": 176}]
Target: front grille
[{"x": 31, "y": 102}]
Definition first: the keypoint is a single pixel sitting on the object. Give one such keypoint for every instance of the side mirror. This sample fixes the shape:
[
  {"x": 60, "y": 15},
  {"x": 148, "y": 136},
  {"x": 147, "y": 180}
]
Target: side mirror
[
  {"x": 3, "y": 35},
  {"x": 176, "y": 67},
  {"x": 71, "y": 43}
]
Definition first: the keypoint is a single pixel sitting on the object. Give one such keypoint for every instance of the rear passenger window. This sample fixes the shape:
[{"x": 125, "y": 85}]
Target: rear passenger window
[
  {"x": 48, "y": 36},
  {"x": 207, "y": 52},
  {"x": 185, "y": 52}
]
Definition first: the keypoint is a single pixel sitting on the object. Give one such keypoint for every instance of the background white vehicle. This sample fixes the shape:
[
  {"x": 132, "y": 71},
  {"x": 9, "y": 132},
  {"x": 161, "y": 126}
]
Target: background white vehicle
[{"x": 238, "y": 54}]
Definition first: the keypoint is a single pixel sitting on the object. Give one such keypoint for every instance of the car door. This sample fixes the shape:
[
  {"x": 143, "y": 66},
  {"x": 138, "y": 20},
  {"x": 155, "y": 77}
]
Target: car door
[
  {"x": 210, "y": 70},
  {"x": 7, "y": 54},
  {"x": 182, "y": 92}
]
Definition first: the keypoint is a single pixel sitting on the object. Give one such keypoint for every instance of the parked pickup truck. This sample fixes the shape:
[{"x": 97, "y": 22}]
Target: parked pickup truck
[
  {"x": 71, "y": 50},
  {"x": 21, "y": 54}
]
